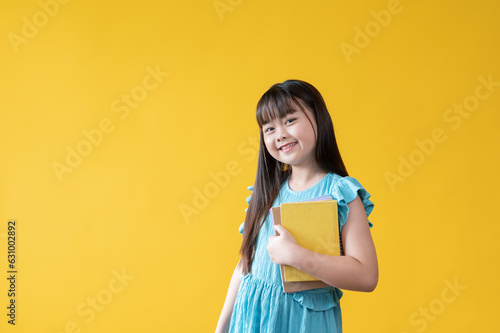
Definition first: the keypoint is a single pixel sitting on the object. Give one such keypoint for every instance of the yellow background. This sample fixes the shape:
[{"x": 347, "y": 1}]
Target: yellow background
[{"x": 119, "y": 210}]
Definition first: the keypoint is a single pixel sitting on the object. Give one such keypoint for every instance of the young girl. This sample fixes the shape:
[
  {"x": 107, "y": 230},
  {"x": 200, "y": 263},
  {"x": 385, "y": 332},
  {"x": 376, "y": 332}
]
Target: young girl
[{"x": 298, "y": 160}]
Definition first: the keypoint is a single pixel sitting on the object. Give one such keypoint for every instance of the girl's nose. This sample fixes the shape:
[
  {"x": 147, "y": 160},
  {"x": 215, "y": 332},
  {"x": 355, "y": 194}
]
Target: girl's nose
[{"x": 281, "y": 136}]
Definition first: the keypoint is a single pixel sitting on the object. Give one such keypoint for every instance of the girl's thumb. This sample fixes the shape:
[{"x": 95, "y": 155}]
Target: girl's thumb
[{"x": 279, "y": 229}]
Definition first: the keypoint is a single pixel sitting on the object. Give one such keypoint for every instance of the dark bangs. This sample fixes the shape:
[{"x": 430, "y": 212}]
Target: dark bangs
[{"x": 275, "y": 103}]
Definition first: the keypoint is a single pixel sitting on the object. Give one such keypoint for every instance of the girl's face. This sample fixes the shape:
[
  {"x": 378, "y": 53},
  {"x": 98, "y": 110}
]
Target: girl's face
[{"x": 291, "y": 139}]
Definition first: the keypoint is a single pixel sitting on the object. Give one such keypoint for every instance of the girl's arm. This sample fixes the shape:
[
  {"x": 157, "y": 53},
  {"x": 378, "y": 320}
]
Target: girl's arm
[
  {"x": 356, "y": 270},
  {"x": 227, "y": 309}
]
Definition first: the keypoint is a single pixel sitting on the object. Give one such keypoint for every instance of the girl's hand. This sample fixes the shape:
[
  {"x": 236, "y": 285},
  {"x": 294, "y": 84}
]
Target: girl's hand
[{"x": 281, "y": 248}]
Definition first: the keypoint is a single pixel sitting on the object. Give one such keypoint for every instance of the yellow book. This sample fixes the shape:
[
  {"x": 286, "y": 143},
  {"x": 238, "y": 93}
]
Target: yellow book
[{"x": 314, "y": 224}]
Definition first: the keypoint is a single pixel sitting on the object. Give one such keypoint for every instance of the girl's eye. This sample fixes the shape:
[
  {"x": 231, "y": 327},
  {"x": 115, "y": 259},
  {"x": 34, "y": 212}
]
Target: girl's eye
[
  {"x": 291, "y": 120},
  {"x": 269, "y": 129}
]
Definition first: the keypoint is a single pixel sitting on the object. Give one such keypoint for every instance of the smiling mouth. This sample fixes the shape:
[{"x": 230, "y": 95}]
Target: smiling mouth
[{"x": 287, "y": 147}]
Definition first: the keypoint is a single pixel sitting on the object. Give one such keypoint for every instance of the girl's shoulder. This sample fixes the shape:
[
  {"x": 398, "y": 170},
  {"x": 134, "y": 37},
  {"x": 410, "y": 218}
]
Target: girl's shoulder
[
  {"x": 342, "y": 189},
  {"x": 346, "y": 189},
  {"x": 335, "y": 185},
  {"x": 342, "y": 184}
]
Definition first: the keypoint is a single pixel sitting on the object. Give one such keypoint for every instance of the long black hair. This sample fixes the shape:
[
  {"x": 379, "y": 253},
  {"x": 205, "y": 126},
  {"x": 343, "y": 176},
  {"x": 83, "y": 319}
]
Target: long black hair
[{"x": 282, "y": 99}]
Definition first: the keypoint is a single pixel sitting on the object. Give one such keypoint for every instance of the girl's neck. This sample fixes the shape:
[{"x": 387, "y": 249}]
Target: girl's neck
[{"x": 304, "y": 178}]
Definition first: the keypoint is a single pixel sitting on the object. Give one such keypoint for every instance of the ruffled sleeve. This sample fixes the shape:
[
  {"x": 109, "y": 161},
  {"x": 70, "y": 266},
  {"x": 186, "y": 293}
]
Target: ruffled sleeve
[
  {"x": 344, "y": 191},
  {"x": 250, "y": 188}
]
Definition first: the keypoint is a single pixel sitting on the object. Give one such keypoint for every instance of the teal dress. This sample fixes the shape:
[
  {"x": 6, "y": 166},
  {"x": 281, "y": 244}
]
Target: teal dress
[{"x": 261, "y": 306}]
